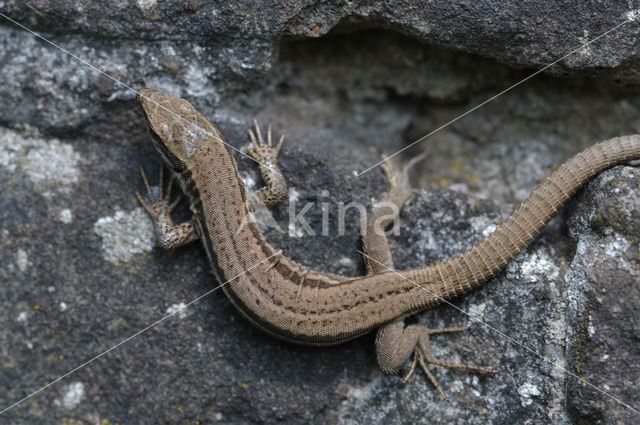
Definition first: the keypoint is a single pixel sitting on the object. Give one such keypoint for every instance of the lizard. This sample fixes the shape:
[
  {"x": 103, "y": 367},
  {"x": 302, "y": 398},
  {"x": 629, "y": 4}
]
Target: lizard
[{"x": 300, "y": 305}]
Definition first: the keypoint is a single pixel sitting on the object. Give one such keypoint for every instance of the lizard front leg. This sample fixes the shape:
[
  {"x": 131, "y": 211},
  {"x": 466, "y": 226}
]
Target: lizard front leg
[
  {"x": 169, "y": 235},
  {"x": 395, "y": 342},
  {"x": 275, "y": 189}
]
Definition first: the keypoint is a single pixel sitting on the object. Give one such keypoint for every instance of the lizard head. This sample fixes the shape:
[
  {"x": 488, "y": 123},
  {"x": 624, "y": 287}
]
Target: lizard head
[{"x": 179, "y": 129}]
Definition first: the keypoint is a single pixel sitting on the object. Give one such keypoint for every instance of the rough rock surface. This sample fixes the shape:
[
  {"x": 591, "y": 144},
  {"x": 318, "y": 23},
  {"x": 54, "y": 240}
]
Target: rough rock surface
[
  {"x": 345, "y": 81},
  {"x": 605, "y": 299}
]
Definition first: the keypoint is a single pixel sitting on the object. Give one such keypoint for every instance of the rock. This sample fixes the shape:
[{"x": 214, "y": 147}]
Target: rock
[
  {"x": 346, "y": 81},
  {"x": 604, "y": 291},
  {"x": 72, "y": 289},
  {"x": 532, "y": 34},
  {"x": 515, "y": 322}
]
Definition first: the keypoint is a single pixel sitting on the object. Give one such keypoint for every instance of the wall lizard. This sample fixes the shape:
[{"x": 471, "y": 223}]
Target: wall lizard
[{"x": 334, "y": 308}]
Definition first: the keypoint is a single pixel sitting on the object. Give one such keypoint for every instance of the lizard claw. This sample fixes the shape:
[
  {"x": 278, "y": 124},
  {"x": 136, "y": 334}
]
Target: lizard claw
[
  {"x": 263, "y": 152},
  {"x": 422, "y": 356},
  {"x": 400, "y": 177},
  {"x": 159, "y": 208},
  {"x": 400, "y": 190},
  {"x": 266, "y": 155},
  {"x": 159, "y": 205}
]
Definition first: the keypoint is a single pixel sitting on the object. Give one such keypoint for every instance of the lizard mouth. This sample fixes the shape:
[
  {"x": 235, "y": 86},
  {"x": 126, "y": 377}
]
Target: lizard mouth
[
  {"x": 158, "y": 113},
  {"x": 178, "y": 125},
  {"x": 157, "y": 107},
  {"x": 148, "y": 97}
]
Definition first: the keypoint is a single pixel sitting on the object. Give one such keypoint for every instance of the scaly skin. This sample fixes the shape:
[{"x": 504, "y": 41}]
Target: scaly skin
[{"x": 301, "y": 305}]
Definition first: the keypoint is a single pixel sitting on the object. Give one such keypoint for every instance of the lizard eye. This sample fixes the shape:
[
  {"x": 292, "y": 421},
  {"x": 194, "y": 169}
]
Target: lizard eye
[
  {"x": 163, "y": 130},
  {"x": 185, "y": 108},
  {"x": 189, "y": 149}
]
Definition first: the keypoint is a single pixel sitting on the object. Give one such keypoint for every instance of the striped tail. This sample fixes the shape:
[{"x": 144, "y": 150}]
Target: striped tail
[{"x": 475, "y": 266}]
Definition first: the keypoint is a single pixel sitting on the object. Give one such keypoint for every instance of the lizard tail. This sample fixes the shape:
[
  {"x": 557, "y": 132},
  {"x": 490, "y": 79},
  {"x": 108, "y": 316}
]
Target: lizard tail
[{"x": 475, "y": 266}]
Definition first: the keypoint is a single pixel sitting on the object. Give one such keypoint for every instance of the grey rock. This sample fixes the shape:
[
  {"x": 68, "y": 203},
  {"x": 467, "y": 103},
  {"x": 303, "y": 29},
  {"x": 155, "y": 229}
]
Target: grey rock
[
  {"x": 604, "y": 285},
  {"x": 531, "y": 34},
  {"x": 73, "y": 289},
  {"x": 78, "y": 276},
  {"x": 515, "y": 324}
]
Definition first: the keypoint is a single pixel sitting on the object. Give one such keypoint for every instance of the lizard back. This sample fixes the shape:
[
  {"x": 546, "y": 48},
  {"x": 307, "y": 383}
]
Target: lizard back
[{"x": 301, "y": 305}]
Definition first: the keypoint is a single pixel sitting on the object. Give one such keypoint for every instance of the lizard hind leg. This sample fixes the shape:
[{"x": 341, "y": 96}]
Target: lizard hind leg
[
  {"x": 386, "y": 211},
  {"x": 395, "y": 343},
  {"x": 400, "y": 189}
]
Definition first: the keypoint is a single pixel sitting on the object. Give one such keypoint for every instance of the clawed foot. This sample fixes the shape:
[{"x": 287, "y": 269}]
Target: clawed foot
[
  {"x": 264, "y": 153},
  {"x": 275, "y": 189},
  {"x": 169, "y": 235},
  {"x": 422, "y": 356},
  {"x": 399, "y": 188},
  {"x": 159, "y": 206}
]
